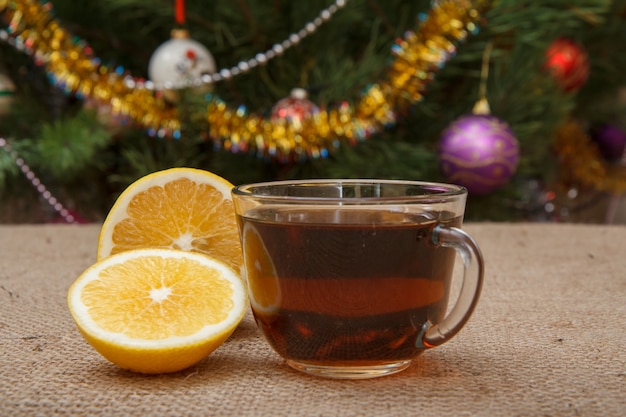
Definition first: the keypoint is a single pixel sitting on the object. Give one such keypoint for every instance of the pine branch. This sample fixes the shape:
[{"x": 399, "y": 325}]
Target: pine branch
[{"x": 67, "y": 147}]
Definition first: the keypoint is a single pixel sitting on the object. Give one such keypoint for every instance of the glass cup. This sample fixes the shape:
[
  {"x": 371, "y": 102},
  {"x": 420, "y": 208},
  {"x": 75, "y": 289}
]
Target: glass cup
[{"x": 351, "y": 278}]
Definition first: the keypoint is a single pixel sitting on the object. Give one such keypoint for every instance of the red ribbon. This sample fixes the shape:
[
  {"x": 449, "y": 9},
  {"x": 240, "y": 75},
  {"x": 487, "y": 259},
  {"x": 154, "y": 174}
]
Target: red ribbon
[{"x": 180, "y": 11}]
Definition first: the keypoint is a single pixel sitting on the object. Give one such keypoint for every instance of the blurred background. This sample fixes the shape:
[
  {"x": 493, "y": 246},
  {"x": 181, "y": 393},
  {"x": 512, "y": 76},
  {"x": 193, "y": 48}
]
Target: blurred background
[{"x": 522, "y": 102}]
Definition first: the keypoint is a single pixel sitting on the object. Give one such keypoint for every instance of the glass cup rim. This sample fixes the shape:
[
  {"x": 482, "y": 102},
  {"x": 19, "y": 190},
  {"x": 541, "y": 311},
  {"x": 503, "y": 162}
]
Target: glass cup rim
[{"x": 437, "y": 191}]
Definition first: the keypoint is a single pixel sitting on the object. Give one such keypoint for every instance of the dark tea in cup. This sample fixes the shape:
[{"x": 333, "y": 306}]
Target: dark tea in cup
[{"x": 346, "y": 290}]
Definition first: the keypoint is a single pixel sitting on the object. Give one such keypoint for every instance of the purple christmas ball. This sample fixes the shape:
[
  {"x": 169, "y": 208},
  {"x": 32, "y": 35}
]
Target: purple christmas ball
[
  {"x": 479, "y": 152},
  {"x": 611, "y": 141}
]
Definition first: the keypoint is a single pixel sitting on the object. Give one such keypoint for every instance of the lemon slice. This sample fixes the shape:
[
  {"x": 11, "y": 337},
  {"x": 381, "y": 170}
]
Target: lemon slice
[
  {"x": 178, "y": 208},
  {"x": 157, "y": 310},
  {"x": 264, "y": 288}
]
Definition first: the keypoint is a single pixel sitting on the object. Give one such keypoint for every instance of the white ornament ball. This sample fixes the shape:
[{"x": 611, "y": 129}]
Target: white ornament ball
[{"x": 180, "y": 60}]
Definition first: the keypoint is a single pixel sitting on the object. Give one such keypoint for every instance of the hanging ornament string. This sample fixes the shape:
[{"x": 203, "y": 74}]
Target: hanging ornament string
[
  {"x": 180, "y": 12},
  {"x": 36, "y": 182},
  {"x": 417, "y": 57},
  {"x": 482, "y": 105}
]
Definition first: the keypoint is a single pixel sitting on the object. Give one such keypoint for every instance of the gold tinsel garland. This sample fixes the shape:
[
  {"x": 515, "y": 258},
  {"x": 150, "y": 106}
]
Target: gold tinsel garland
[
  {"x": 417, "y": 57},
  {"x": 583, "y": 163}
]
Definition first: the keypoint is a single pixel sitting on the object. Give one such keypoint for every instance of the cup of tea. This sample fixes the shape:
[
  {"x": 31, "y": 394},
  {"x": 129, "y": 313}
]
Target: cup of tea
[{"x": 351, "y": 278}]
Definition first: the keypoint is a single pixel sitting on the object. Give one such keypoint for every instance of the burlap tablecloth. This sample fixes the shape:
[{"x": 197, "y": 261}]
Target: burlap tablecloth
[{"x": 547, "y": 339}]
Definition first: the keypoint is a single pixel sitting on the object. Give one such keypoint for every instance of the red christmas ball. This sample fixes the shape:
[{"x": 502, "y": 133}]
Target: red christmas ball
[
  {"x": 294, "y": 108},
  {"x": 568, "y": 62}
]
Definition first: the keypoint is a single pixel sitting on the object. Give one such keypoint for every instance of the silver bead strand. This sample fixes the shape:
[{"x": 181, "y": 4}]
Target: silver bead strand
[
  {"x": 36, "y": 182},
  {"x": 261, "y": 58},
  {"x": 242, "y": 67}
]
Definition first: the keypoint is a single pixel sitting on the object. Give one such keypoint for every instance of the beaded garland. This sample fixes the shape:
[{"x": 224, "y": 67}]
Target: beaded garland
[
  {"x": 261, "y": 58},
  {"x": 37, "y": 184},
  {"x": 417, "y": 57}
]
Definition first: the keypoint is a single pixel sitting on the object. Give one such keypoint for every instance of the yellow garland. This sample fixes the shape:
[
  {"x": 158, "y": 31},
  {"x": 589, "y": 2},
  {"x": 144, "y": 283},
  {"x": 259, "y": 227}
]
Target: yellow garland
[
  {"x": 583, "y": 162},
  {"x": 77, "y": 71},
  {"x": 417, "y": 57}
]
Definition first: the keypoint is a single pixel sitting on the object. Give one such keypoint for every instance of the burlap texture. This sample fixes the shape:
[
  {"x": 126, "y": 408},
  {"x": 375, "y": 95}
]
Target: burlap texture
[{"x": 547, "y": 339}]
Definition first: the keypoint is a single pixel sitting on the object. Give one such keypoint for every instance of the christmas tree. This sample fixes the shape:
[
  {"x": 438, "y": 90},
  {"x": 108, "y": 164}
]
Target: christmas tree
[{"x": 520, "y": 101}]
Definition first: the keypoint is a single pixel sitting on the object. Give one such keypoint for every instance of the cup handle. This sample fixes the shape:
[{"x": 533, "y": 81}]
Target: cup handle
[{"x": 474, "y": 266}]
